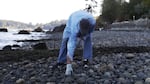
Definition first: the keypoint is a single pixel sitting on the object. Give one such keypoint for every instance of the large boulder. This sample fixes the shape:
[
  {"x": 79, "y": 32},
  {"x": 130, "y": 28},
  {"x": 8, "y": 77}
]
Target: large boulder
[
  {"x": 7, "y": 47},
  {"x": 3, "y": 30},
  {"x": 16, "y": 47},
  {"x": 40, "y": 46},
  {"x": 23, "y": 32},
  {"x": 13, "y": 47},
  {"x": 57, "y": 29},
  {"x": 38, "y": 29}
]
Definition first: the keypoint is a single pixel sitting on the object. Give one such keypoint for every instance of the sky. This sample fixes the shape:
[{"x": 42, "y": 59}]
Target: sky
[{"x": 40, "y": 11}]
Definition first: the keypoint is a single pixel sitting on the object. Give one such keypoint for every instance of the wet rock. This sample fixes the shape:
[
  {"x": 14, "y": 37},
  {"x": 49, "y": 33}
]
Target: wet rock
[
  {"x": 74, "y": 64},
  {"x": 49, "y": 59},
  {"x": 8, "y": 47},
  {"x": 141, "y": 75},
  {"x": 15, "y": 65},
  {"x": 15, "y": 46},
  {"x": 42, "y": 60},
  {"x": 147, "y": 80},
  {"x": 38, "y": 29},
  {"x": 25, "y": 62},
  {"x": 40, "y": 46},
  {"x": 3, "y": 30},
  {"x": 111, "y": 66},
  {"x": 107, "y": 75},
  {"x": 126, "y": 74},
  {"x": 103, "y": 68},
  {"x": 91, "y": 71},
  {"x": 23, "y": 32},
  {"x": 122, "y": 81},
  {"x": 59, "y": 28},
  {"x": 81, "y": 80},
  {"x": 4, "y": 70},
  {"x": 50, "y": 83},
  {"x": 13, "y": 78},
  {"x": 30, "y": 65},
  {"x": 130, "y": 56},
  {"x": 53, "y": 79},
  {"x": 68, "y": 79},
  {"x": 134, "y": 77},
  {"x": 96, "y": 59},
  {"x": 90, "y": 81},
  {"x": 33, "y": 78},
  {"x": 20, "y": 81},
  {"x": 138, "y": 82},
  {"x": 107, "y": 82},
  {"x": 96, "y": 66},
  {"x": 80, "y": 75},
  {"x": 147, "y": 60}
]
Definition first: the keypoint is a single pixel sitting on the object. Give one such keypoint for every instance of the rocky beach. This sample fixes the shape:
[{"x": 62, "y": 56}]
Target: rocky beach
[
  {"x": 31, "y": 33},
  {"x": 106, "y": 68},
  {"x": 119, "y": 57}
]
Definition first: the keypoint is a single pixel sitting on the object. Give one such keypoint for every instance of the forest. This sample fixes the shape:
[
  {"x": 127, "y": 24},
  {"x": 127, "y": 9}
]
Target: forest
[{"x": 120, "y": 10}]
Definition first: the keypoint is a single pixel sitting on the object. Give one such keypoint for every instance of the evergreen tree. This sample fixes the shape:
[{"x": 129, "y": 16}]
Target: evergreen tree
[
  {"x": 91, "y": 6},
  {"x": 109, "y": 10}
]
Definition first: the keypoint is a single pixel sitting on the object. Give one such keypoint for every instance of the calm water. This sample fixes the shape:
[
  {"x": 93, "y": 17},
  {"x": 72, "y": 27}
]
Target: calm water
[{"x": 9, "y": 38}]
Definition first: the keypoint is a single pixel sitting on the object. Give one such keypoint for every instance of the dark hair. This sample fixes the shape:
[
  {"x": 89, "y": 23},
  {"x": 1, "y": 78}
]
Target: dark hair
[{"x": 84, "y": 27}]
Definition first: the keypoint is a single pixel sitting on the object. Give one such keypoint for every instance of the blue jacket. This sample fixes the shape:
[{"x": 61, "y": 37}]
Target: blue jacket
[{"x": 72, "y": 29}]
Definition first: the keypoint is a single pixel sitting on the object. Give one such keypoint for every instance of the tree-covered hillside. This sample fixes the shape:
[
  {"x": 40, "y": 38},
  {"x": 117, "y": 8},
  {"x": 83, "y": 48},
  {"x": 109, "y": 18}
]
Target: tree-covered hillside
[{"x": 14, "y": 24}]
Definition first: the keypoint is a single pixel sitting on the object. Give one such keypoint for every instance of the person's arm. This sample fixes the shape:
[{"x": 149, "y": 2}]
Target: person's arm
[{"x": 71, "y": 47}]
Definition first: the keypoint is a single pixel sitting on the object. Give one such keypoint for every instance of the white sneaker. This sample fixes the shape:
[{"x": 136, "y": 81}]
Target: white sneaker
[{"x": 69, "y": 70}]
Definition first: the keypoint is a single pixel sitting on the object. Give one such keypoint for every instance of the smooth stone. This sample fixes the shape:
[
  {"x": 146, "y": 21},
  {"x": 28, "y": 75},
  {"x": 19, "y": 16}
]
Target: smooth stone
[
  {"x": 138, "y": 82},
  {"x": 147, "y": 80},
  {"x": 81, "y": 80},
  {"x": 130, "y": 55},
  {"x": 20, "y": 81}
]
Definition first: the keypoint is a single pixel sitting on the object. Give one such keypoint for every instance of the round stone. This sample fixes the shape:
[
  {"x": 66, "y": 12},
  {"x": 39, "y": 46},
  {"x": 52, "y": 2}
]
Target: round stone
[
  {"x": 147, "y": 80},
  {"x": 20, "y": 81}
]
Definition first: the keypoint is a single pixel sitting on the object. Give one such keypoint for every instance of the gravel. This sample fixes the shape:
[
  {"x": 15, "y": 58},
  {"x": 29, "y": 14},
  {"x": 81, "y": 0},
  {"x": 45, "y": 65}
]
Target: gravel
[
  {"x": 121, "y": 38},
  {"x": 110, "y": 38},
  {"x": 114, "y": 68}
]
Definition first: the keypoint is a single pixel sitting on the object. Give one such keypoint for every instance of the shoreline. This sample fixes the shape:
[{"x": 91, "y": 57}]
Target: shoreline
[{"x": 33, "y": 55}]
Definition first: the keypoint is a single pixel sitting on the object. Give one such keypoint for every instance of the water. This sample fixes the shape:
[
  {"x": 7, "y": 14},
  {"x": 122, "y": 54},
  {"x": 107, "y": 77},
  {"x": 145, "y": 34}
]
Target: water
[{"x": 11, "y": 38}]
